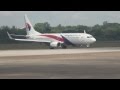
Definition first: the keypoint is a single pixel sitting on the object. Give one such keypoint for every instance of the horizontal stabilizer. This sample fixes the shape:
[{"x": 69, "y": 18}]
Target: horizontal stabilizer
[
  {"x": 9, "y": 36},
  {"x": 18, "y": 35}
]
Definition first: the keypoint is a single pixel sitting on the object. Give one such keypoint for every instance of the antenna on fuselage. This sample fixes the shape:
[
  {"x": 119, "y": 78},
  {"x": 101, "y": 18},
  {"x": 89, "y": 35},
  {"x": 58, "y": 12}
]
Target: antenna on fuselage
[{"x": 84, "y": 31}]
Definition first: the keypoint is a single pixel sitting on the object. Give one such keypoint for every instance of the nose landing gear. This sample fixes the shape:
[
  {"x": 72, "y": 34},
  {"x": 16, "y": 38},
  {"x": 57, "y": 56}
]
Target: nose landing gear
[
  {"x": 63, "y": 46},
  {"x": 88, "y": 45}
]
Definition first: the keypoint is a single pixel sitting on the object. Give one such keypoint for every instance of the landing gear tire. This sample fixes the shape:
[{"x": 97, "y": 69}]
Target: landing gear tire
[
  {"x": 51, "y": 47},
  {"x": 88, "y": 46},
  {"x": 64, "y": 46}
]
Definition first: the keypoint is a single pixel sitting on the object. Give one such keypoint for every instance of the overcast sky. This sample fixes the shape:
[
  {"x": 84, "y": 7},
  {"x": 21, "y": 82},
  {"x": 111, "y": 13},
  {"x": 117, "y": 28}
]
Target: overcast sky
[{"x": 64, "y": 18}]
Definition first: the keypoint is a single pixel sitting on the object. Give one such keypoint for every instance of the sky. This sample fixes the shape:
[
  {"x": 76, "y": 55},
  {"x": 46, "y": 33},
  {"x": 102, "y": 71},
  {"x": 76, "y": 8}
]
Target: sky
[{"x": 65, "y": 18}]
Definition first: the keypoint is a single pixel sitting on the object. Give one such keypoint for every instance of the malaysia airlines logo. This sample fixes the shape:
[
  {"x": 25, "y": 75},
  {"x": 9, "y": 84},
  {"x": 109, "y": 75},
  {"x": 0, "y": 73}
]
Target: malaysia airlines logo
[{"x": 28, "y": 26}]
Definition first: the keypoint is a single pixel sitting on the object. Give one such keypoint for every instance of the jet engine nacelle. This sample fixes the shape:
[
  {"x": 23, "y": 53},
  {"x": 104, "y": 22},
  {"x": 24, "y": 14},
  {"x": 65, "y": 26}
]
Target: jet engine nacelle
[{"x": 54, "y": 44}]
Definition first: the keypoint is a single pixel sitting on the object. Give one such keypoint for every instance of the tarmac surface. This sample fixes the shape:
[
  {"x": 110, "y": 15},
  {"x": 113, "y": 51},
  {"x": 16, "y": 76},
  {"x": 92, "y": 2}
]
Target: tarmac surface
[{"x": 84, "y": 63}]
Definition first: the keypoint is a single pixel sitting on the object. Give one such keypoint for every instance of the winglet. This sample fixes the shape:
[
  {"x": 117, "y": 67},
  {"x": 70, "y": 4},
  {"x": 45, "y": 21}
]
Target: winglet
[{"x": 9, "y": 36}]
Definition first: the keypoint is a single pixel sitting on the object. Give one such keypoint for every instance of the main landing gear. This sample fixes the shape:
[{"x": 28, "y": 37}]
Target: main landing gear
[{"x": 63, "y": 46}]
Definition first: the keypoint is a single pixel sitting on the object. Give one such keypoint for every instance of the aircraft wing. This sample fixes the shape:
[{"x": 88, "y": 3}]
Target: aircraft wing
[{"x": 30, "y": 40}]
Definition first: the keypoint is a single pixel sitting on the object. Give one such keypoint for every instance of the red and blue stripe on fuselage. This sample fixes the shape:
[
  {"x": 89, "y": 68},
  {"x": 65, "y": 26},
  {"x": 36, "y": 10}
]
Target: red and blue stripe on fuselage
[{"x": 60, "y": 38}]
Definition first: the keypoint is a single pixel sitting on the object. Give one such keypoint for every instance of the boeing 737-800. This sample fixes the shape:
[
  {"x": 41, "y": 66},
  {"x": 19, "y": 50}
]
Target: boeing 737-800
[{"x": 55, "y": 40}]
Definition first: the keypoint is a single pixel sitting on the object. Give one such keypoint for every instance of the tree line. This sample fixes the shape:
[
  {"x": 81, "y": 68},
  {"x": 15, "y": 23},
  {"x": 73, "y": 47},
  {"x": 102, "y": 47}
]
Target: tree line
[{"x": 105, "y": 32}]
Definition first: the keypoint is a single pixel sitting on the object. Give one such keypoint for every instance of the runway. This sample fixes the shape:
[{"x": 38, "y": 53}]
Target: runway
[
  {"x": 84, "y": 63},
  {"x": 56, "y": 51}
]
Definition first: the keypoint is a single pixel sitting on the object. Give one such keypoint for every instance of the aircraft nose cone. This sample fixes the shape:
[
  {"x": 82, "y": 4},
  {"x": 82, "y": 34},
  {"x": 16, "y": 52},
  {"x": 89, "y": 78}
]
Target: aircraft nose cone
[{"x": 94, "y": 40}]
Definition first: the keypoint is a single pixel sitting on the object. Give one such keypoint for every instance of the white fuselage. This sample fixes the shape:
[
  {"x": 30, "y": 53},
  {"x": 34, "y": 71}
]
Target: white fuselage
[{"x": 67, "y": 38}]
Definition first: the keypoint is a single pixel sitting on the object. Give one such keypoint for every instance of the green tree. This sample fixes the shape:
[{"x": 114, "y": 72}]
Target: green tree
[{"x": 43, "y": 27}]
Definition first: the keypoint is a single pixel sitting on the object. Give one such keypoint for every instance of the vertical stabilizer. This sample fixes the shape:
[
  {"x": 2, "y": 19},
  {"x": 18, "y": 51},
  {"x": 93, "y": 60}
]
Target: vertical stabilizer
[{"x": 29, "y": 28}]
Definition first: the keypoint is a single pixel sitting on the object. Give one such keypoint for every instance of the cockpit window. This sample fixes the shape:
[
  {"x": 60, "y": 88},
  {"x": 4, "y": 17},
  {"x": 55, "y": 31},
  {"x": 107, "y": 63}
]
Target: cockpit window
[{"x": 89, "y": 36}]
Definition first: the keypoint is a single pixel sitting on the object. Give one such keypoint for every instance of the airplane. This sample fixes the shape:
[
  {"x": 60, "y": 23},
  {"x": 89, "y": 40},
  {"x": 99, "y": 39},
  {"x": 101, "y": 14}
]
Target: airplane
[{"x": 54, "y": 40}]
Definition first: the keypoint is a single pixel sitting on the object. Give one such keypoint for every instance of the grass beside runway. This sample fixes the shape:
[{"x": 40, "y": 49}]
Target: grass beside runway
[{"x": 14, "y": 46}]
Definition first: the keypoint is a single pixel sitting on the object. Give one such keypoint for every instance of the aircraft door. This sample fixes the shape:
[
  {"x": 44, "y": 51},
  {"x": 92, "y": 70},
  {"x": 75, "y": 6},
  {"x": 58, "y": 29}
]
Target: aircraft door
[{"x": 81, "y": 40}]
